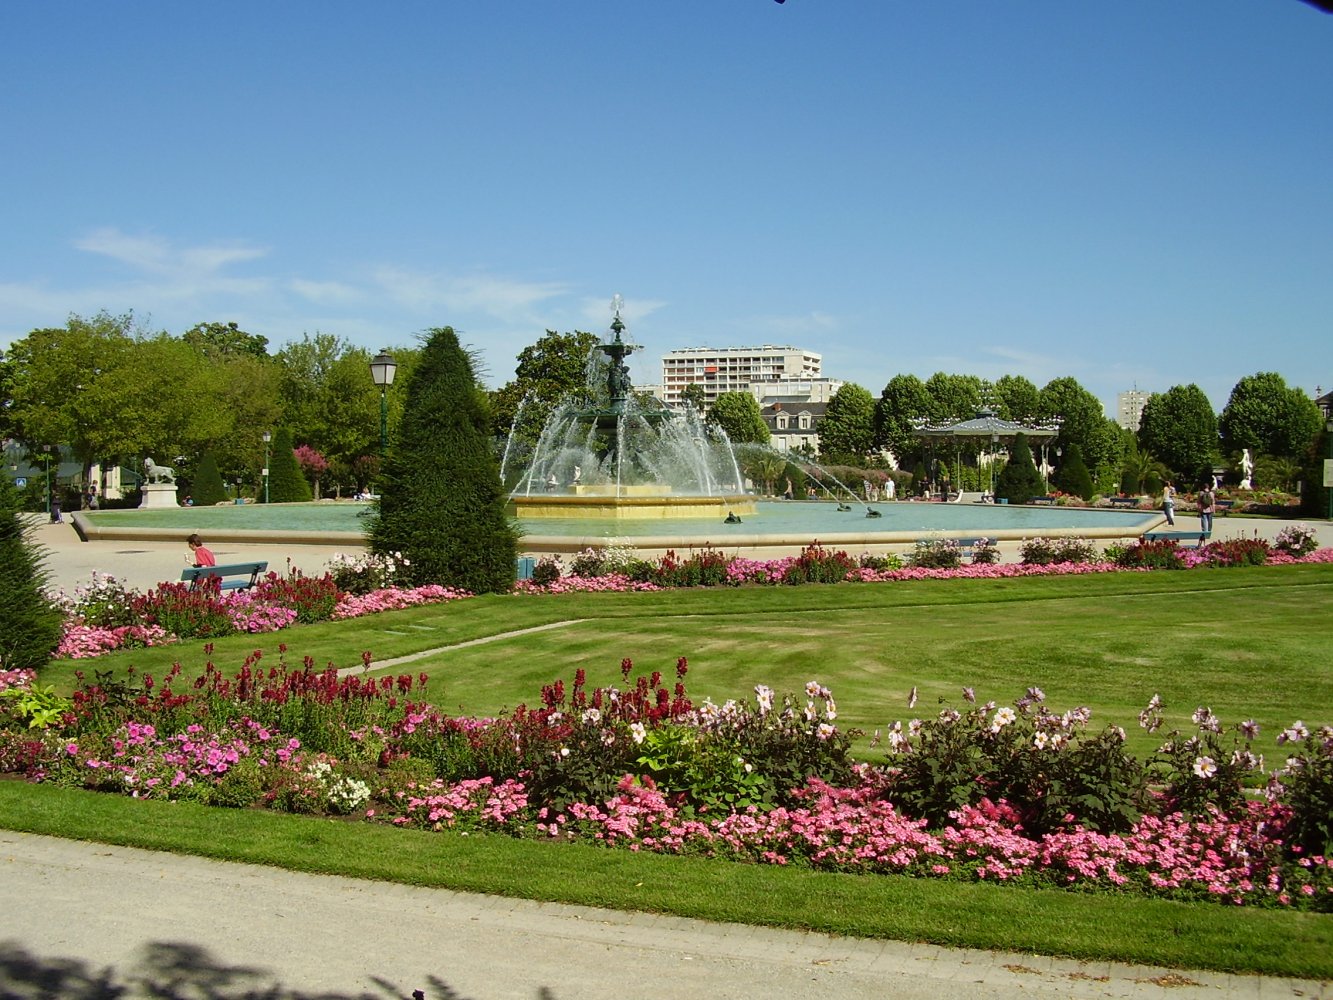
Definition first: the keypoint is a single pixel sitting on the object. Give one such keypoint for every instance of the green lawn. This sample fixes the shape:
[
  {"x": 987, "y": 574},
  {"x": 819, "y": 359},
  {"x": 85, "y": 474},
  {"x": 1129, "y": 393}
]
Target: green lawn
[{"x": 1247, "y": 642}]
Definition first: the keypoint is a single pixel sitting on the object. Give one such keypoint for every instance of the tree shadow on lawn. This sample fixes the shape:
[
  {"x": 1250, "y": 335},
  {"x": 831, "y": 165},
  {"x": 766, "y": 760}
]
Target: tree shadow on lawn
[{"x": 171, "y": 971}]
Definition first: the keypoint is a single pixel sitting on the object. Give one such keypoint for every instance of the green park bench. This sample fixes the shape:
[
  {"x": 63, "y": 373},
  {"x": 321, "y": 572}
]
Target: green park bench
[{"x": 245, "y": 575}]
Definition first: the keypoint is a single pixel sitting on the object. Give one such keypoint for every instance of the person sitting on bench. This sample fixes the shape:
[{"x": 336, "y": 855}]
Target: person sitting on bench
[{"x": 199, "y": 554}]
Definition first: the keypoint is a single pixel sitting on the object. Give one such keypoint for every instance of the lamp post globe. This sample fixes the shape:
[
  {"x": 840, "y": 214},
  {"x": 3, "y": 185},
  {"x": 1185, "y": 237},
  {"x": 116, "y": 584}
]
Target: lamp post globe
[{"x": 382, "y": 369}]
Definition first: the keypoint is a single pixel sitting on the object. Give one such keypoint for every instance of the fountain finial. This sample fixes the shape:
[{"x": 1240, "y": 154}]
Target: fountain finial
[{"x": 617, "y": 304}]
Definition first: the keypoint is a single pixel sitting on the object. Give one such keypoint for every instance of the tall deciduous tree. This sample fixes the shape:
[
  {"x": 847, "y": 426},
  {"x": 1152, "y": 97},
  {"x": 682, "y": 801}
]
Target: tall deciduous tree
[
  {"x": 1180, "y": 428},
  {"x": 1019, "y": 398},
  {"x": 553, "y": 368},
  {"x": 1083, "y": 422},
  {"x": 847, "y": 432},
  {"x": 739, "y": 415},
  {"x": 214, "y": 340},
  {"x": 901, "y": 405},
  {"x": 442, "y": 504},
  {"x": 1265, "y": 415},
  {"x": 954, "y": 397}
]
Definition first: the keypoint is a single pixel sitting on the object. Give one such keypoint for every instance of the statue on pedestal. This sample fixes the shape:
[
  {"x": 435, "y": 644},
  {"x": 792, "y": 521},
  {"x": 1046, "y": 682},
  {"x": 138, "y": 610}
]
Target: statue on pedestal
[{"x": 1246, "y": 469}]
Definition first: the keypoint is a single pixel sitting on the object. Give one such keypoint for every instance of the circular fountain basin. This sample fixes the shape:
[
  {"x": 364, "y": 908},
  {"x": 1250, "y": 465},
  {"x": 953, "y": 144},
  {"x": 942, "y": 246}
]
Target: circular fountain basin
[
  {"x": 631, "y": 503},
  {"x": 774, "y": 525}
]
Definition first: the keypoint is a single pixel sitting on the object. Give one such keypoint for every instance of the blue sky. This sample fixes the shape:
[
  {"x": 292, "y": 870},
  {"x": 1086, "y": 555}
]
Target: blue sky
[{"x": 1135, "y": 193}]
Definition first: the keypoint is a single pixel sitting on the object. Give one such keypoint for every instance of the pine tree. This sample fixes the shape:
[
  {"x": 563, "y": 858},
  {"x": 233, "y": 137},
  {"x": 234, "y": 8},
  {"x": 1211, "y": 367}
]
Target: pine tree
[
  {"x": 1019, "y": 481},
  {"x": 442, "y": 504},
  {"x": 29, "y": 626},
  {"x": 207, "y": 488},
  {"x": 1074, "y": 477},
  {"x": 286, "y": 481}
]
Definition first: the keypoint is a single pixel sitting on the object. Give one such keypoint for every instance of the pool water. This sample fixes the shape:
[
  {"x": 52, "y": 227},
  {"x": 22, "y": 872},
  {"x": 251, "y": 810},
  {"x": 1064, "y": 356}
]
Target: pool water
[{"x": 790, "y": 518}]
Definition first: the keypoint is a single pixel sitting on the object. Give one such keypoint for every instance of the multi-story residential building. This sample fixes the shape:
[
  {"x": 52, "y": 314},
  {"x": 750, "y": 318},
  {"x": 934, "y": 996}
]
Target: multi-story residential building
[
  {"x": 1129, "y": 408},
  {"x": 733, "y": 369}
]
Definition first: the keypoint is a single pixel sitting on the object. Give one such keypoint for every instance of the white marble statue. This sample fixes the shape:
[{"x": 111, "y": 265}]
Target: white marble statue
[
  {"x": 1246, "y": 469},
  {"x": 155, "y": 473}
]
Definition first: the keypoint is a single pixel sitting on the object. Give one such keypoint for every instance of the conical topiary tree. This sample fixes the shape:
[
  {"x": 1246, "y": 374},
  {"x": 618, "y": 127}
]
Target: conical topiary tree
[
  {"x": 29, "y": 626},
  {"x": 286, "y": 481},
  {"x": 442, "y": 504},
  {"x": 1019, "y": 480},
  {"x": 207, "y": 488},
  {"x": 1074, "y": 477}
]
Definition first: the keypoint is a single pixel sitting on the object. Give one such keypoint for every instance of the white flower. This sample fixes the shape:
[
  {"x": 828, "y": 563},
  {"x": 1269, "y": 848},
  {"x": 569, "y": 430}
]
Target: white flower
[
  {"x": 1040, "y": 740},
  {"x": 1204, "y": 767},
  {"x": 764, "y": 695},
  {"x": 812, "y": 689},
  {"x": 592, "y": 716},
  {"x": 1003, "y": 717},
  {"x": 825, "y": 730},
  {"x": 564, "y": 751},
  {"x": 638, "y": 732},
  {"x": 811, "y": 713}
]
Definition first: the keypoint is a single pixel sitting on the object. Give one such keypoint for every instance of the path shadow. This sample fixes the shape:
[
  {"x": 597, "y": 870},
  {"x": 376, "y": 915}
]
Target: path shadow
[{"x": 170, "y": 971}]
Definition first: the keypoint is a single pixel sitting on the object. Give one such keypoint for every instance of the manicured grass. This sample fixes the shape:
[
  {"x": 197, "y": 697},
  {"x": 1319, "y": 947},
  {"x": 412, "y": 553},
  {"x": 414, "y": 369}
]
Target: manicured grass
[
  {"x": 1101, "y": 926},
  {"x": 1244, "y": 641},
  {"x": 1247, "y": 642}
]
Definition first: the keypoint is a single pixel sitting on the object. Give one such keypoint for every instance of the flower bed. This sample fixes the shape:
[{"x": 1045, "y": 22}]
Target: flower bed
[{"x": 1016, "y": 794}]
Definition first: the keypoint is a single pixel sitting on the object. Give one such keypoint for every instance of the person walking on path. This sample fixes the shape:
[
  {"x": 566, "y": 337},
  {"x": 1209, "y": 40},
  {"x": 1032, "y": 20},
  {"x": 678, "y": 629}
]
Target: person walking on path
[
  {"x": 1204, "y": 499},
  {"x": 55, "y": 507},
  {"x": 199, "y": 554},
  {"x": 1169, "y": 502}
]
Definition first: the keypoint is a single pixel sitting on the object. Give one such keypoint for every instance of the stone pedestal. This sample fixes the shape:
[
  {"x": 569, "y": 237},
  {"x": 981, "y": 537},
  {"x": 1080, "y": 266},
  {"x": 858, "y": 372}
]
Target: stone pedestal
[{"x": 158, "y": 495}]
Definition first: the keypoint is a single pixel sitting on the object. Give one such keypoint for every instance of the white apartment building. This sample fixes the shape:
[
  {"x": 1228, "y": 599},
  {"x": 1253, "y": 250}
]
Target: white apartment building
[
  {"x": 1129, "y": 408},
  {"x": 733, "y": 369}
]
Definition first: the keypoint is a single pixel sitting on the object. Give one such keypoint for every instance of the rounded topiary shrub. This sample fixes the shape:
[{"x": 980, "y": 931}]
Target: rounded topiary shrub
[
  {"x": 207, "y": 488},
  {"x": 29, "y": 627}
]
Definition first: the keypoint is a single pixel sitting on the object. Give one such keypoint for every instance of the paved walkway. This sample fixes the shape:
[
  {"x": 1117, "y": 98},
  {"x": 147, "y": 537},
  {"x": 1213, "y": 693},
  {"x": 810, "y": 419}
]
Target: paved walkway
[{"x": 90, "y": 922}]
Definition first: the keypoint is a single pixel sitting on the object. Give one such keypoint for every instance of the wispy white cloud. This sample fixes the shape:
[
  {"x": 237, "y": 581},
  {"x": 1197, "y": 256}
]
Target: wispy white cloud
[
  {"x": 504, "y": 299},
  {"x": 157, "y": 255},
  {"x": 326, "y": 292}
]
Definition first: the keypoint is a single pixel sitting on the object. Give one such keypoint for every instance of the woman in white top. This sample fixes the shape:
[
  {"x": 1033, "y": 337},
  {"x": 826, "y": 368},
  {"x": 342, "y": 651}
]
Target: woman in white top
[{"x": 1169, "y": 503}]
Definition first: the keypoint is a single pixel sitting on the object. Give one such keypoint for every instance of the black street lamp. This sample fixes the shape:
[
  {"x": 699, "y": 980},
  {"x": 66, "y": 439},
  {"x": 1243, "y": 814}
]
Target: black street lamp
[
  {"x": 382, "y": 368},
  {"x": 1328, "y": 467},
  {"x": 267, "y": 438}
]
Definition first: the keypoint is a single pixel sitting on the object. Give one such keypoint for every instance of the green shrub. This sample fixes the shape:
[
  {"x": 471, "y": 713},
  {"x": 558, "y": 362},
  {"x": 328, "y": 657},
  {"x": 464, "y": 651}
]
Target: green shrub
[
  {"x": 546, "y": 572},
  {"x": 30, "y": 627},
  {"x": 1052, "y": 551},
  {"x": 705, "y": 567},
  {"x": 1207, "y": 768},
  {"x": 1041, "y": 766},
  {"x": 1161, "y": 554},
  {"x": 936, "y": 553},
  {"x": 1296, "y": 540},
  {"x": 1073, "y": 477},
  {"x": 880, "y": 564},
  {"x": 207, "y": 488},
  {"x": 1235, "y": 552},
  {"x": 286, "y": 481},
  {"x": 1305, "y": 786},
  {"x": 985, "y": 553},
  {"x": 1019, "y": 480},
  {"x": 817, "y": 564},
  {"x": 442, "y": 504}
]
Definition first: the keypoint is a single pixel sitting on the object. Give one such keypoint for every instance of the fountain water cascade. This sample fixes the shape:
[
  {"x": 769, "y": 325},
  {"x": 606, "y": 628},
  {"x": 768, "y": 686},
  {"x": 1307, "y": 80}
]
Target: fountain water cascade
[{"x": 610, "y": 456}]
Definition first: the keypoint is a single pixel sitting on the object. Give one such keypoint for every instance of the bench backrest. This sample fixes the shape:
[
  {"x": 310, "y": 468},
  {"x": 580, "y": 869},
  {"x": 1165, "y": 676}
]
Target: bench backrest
[{"x": 193, "y": 574}]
